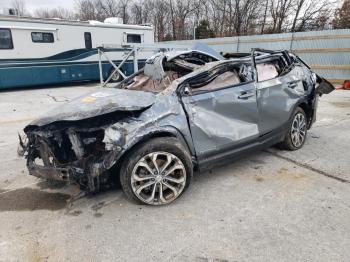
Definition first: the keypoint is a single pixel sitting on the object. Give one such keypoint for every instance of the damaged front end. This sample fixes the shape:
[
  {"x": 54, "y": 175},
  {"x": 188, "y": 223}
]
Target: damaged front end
[
  {"x": 72, "y": 144},
  {"x": 72, "y": 154}
]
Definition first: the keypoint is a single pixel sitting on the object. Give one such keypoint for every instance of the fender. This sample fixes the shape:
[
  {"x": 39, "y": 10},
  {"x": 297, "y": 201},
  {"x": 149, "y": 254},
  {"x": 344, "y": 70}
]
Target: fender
[{"x": 162, "y": 131}]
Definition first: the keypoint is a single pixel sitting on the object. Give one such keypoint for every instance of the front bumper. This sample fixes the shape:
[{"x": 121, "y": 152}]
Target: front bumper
[
  {"x": 44, "y": 161},
  {"x": 66, "y": 174}
]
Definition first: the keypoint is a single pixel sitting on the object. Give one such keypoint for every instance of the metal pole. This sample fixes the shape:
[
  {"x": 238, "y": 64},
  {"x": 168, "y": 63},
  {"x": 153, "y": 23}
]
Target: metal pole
[
  {"x": 291, "y": 42},
  {"x": 136, "y": 66},
  {"x": 100, "y": 65}
]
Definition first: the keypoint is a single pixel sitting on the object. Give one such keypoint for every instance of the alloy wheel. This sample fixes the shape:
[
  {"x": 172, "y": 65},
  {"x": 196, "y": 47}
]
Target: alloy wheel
[
  {"x": 298, "y": 130},
  {"x": 158, "y": 178}
]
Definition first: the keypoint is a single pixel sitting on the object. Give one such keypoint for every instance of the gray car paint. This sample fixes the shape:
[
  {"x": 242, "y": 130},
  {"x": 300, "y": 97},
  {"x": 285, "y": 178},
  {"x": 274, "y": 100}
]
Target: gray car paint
[
  {"x": 99, "y": 102},
  {"x": 276, "y": 100},
  {"x": 220, "y": 119}
]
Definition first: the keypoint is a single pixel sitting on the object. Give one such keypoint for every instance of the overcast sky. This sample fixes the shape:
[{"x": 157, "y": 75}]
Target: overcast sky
[{"x": 35, "y": 4}]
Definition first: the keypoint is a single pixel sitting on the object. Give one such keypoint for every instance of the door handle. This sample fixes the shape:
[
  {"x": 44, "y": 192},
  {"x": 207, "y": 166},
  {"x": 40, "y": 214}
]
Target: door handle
[
  {"x": 245, "y": 95},
  {"x": 293, "y": 84}
]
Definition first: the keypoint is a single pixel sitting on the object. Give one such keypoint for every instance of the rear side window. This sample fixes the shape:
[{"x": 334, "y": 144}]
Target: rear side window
[
  {"x": 227, "y": 76},
  {"x": 5, "y": 39},
  {"x": 272, "y": 69},
  {"x": 40, "y": 37},
  {"x": 133, "y": 38},
  {"x": 266, "y": 71},
  {"x": 88, "y": 41}
]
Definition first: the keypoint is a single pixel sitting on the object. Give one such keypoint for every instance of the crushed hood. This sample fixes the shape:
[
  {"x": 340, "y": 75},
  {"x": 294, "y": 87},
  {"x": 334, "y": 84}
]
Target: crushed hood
[{"x": 99, "y": 102}]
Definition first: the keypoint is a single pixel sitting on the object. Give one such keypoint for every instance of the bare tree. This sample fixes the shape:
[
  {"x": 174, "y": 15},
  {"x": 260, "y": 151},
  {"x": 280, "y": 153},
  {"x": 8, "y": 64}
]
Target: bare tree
[
  {"x": 123, "y": 10},
  {"x": 106, "y": 8},
  {"x": 280, "y": 9},
  {"x": 263, "y": 23},
  {"x": 58, "y": 12},
  {"x": 306, "y": 11},
  {"x": 86, "y": 10},
  {"x": 342, "y": 16},
  {"x": 19, "y": 6},
  {"x": 178, "y": 19}
]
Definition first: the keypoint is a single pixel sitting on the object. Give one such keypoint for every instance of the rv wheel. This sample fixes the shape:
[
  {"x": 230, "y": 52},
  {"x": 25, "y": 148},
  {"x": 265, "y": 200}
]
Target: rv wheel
[{"x": 116, "y": 77}]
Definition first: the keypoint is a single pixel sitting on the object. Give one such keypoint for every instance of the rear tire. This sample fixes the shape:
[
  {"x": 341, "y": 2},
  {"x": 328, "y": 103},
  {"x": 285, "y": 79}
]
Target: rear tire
[
  {"x": 297, "y": 131},
  {"x": 156, "y": 172}
]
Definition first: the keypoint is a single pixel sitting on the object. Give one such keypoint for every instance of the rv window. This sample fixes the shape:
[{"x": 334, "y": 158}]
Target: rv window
[
  {"x": 5, "y": 39},
  {"x": 39, "y": 37},
  {"x": 133, "y": 38},
  {"x": 88, "y": 42}
]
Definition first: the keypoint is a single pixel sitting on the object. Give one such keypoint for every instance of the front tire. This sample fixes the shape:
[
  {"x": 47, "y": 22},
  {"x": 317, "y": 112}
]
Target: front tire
[
  {"x": 296, "y": 134},
  {"x": 156, "y": 172}
]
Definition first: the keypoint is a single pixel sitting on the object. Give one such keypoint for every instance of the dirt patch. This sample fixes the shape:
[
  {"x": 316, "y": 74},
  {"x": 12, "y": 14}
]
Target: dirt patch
[
  {"x": 341, "y": 104},
  {"x": 32, "y": 199},
  {"x": 284, "y": 173},
  {"x": 259, "y": 178}
]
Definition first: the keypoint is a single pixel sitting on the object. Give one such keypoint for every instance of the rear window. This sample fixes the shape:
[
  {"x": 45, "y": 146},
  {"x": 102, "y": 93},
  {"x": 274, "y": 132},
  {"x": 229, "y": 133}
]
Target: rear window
[
  {"x": 133, "y": 38},
  {"x": 39, "y": 37},
  {"x": 5, "y": 39}
]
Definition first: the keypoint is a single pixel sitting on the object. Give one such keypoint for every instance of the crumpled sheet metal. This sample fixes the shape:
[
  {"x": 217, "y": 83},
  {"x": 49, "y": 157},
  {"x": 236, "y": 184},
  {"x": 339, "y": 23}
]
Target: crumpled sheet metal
[
  {"x": 96, "y": 103},
  {"x": 225, "y": 128},
  {"x": 166, "y": 115},
  {"x": 154, "y": 67}
]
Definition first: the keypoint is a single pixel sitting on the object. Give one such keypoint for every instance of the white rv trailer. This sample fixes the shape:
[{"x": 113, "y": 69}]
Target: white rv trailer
[{"x": 49, "y": 51}]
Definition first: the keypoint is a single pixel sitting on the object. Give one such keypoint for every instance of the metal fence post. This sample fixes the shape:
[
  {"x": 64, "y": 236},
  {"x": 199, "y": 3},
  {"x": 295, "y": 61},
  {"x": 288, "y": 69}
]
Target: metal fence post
[
  {"x": 136, "y": 66},
  {"x": 100, "y": 65},
  {"x": 291, "y": 42}
]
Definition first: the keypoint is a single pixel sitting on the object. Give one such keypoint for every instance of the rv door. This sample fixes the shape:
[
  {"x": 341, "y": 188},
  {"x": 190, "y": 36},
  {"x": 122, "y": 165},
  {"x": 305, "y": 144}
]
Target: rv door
[{"x": 88, "y": 40}]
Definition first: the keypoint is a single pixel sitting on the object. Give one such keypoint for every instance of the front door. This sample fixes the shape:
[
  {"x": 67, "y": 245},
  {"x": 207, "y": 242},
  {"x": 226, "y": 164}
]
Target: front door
[{"x": 222, "y": 119}]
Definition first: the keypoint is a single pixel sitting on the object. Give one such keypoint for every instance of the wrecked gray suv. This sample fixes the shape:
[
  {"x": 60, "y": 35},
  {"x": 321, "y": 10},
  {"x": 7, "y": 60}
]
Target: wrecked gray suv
[{"x": 183, "y": 111}]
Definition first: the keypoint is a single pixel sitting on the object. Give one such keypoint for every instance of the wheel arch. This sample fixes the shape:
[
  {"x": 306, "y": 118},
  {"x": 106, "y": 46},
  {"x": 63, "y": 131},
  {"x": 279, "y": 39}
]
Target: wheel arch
[
  {"x": 308, "y": 109},
  {"x": 168, "y": 131}
]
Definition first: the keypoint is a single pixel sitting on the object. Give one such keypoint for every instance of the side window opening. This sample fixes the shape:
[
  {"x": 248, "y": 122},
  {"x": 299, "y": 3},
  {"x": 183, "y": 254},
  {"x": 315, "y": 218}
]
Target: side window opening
[
  {"x": 229, "y": 76},
  {"x": 266, "y": 71},
  {"x": 88, "y": 40},
  {"x": 6, "y": 39},
  {"x": 40, "y": 37},
  {"x": 133, "y": 38},
  {"x": 272, "y": 69}
]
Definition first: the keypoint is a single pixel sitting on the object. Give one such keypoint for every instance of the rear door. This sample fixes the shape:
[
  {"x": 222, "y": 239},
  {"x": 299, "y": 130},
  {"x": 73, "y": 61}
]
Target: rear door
[
  {"x": 279, "y": 86},
  {"x": 222, "y": 115}
]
